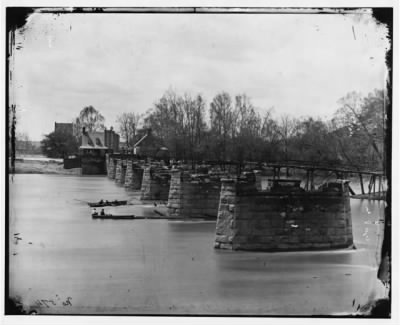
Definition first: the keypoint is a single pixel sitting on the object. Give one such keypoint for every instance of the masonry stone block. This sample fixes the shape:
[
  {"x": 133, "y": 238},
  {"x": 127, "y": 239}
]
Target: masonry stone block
[
  {"x": 271, "y": 221},
  {"x": 155, "y": 184},
  {"x": 197, "y": 196}
]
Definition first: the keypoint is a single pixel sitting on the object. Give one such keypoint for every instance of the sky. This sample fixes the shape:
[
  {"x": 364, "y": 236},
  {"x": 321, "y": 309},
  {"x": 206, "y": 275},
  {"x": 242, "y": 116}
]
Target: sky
[{"x": 299, "y": 64}]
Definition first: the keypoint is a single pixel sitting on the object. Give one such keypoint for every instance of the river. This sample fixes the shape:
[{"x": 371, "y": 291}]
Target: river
[{"x": 64, "y": 262}]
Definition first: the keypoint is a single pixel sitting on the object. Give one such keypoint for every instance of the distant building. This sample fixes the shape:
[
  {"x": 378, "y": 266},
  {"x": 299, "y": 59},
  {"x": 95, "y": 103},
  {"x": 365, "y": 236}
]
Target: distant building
[
  {"x": 111, "y": 140},
  {"x": 104, "y": 140},
  {"x": 67, "y": 128},
  {"x": 93, "y": 140},
  {"x": 94, "y": 146},
  {"x": 150, "y": 146}
]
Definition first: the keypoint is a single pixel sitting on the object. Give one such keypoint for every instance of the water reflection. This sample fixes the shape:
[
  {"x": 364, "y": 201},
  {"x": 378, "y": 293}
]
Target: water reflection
[{"x": 160, "y": 266}]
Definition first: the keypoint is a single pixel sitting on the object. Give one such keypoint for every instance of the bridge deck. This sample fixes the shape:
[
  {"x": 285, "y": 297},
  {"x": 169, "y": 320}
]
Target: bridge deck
[
  {"x": 299, "y": 164},
  {"x": 307, "y": 165},
  {"x": 313, "y": 166}
]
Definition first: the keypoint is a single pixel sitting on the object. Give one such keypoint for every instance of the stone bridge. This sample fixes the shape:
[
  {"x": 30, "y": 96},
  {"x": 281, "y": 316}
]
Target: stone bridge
[
  {"x": 280, "y": 217},
  {"x": 127, "y": 171},
  {"x": 152, "y": 179}
]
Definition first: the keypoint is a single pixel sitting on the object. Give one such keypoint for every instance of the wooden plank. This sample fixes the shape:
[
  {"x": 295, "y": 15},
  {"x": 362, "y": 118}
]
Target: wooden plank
[{"x": 326, "y": 168}]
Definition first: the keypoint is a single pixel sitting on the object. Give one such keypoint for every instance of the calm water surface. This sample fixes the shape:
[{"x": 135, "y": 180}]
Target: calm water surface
[{"x": 65, "y": 262}]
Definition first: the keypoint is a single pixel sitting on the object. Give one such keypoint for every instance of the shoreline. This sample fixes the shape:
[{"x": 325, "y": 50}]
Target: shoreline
[{"x": 52, "y": 167}]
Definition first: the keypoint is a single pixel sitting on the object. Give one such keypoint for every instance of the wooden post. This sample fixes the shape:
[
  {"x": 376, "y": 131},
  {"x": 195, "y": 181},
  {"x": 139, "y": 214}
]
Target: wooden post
[
  {"x": 351, "y": 190},
  {"x": 361, "y": 183},
  {"x": 380, "y": 184},
  {"x": 370, "y": 185},
  {"x": 312, "y": 180},
  {"x": 307, "y": 179},
  {"x": 374, "y": 184},
  {"x": 279, "y": 172}
]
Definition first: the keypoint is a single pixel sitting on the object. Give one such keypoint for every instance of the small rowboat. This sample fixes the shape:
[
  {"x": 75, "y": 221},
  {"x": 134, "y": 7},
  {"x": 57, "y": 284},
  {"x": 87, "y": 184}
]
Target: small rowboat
[
  {"x": 107, "y": 203},
  {"x": 113, "y": 216}
]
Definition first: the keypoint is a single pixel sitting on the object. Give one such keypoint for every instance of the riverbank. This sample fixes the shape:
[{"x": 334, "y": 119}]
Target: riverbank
[{"x": 30, "y": 166}]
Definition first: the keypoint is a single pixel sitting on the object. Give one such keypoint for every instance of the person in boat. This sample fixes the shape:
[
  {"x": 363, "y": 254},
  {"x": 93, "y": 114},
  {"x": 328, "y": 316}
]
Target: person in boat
[
  {"x": 94, "y": 212},
  {"x": 101, "y": 201},
  {"x": 102, "y": 212},
  {"x": 107, "y": 202}
]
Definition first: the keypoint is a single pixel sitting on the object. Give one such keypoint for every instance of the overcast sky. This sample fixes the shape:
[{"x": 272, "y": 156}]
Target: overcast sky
[{"x": 298, "y": 64}]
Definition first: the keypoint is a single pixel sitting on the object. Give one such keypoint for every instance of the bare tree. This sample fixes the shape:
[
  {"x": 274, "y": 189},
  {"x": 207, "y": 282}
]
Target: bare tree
[
  {"x": 169, "y": 120},
  {"x": 247, "y": 124},
  {"x": 89, "y": 118},
  {"x": 361, "y": 123},
  {"x": 194, "y": 123},
  {"x": 269, "y": 128},
  {"x": 352, "y": 109},
  {"x": 128, "y": 124},
  {"x": 287, "y": 128},
  {"x": 222, "y": 119}
]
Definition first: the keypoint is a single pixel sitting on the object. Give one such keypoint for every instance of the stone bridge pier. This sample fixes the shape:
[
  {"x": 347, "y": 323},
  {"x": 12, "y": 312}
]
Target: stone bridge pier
[
  {"x": 120, "y": 171},
  {"x": 283, "y": 218},
  {"x": 133, "y": 176},
  {"x": 111, "y": 166},
  {"x": 155, "y": 184},
  {"x": 193, "y": 196}
]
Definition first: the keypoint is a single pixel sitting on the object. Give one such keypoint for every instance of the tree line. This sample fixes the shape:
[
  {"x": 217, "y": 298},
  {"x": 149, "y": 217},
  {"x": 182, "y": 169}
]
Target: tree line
[
  {"x": 231, "y": 128},
  {"x": 235, "y": 130}
]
